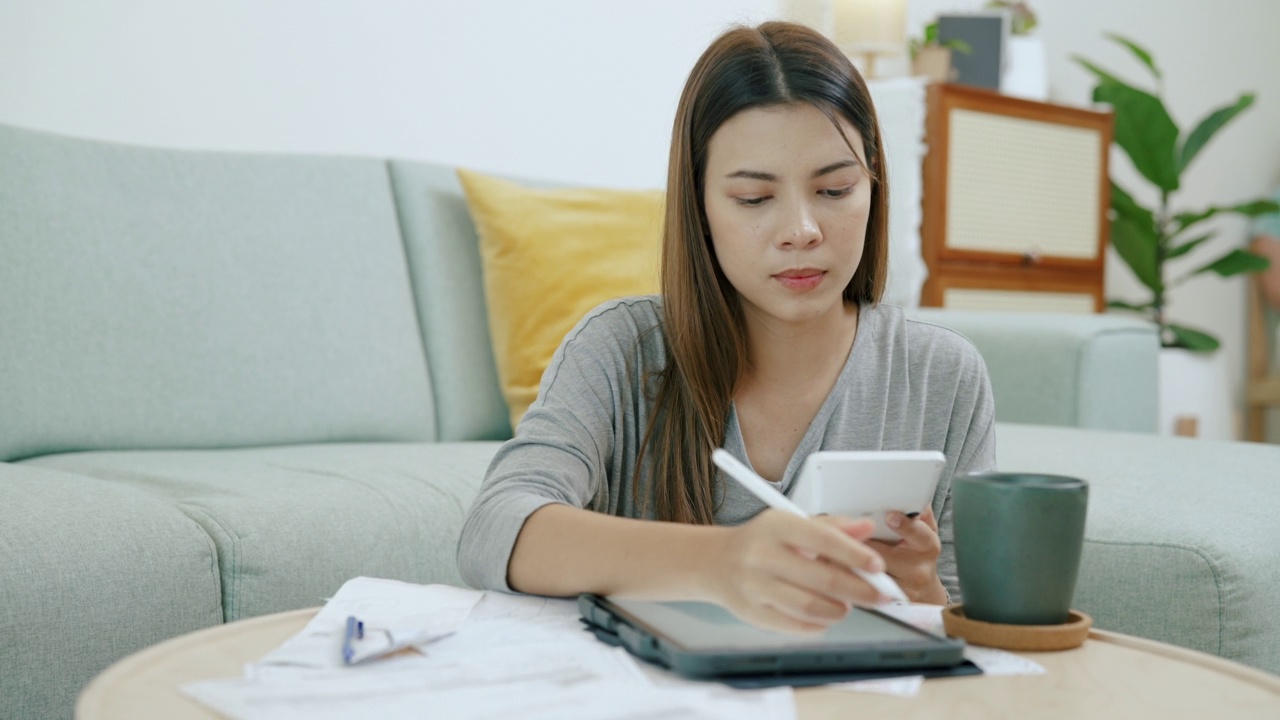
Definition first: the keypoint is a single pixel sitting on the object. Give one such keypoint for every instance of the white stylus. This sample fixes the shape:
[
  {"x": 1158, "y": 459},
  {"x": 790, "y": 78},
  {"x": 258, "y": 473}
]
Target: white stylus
[{"x": 774, "y": 498}]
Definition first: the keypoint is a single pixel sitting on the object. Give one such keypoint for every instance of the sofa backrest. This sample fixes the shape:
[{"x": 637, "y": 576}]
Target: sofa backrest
[
  {"x": 1091, "y": 371},
  {"x": 444, "y": 259},
  {"x": 161, "y": 299}
]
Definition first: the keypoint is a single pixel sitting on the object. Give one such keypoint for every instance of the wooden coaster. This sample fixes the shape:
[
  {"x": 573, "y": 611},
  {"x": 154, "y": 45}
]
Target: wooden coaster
[{"x": 1031, "y": 638}]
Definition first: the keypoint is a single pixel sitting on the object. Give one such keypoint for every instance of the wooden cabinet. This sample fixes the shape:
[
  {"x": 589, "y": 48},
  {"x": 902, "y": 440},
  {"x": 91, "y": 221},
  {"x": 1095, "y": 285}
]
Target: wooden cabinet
[{"x": 1016, "y": 194}]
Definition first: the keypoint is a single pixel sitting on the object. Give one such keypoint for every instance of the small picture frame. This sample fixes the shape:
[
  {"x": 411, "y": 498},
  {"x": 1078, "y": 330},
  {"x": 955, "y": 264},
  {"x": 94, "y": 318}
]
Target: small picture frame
[{"x": 987, "y": 35}]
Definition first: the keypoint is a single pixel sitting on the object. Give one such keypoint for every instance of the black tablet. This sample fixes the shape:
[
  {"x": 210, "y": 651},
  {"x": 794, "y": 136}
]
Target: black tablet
[{"x": 703, "y": 640}]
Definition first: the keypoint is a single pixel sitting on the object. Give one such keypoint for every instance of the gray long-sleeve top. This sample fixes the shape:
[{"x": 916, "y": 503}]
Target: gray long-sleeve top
[{"x": 907, "y": 385}]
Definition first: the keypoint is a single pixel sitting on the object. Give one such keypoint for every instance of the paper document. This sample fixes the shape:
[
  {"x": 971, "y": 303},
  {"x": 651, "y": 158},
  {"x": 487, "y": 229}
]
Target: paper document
[
  {"x": 993, "y": 661},
  {"x": 489, "y": 656},
  {"x": 996, "y": 662},
  {"x": 506, "y": 606},
  {"x": 405, "y": 613}
]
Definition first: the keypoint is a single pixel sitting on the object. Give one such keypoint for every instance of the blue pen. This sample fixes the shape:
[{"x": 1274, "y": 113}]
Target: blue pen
[{"x": 355, "y": 631}]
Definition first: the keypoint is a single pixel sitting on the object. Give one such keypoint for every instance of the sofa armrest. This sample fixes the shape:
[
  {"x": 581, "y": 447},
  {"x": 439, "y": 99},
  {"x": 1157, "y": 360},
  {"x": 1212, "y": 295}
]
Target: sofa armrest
[{"x": 1091, "y": 371}]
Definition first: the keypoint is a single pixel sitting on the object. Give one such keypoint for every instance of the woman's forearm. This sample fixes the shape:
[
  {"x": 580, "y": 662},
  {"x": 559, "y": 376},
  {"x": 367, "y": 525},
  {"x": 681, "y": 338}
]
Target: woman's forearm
[{"x": 563, "y": 551}]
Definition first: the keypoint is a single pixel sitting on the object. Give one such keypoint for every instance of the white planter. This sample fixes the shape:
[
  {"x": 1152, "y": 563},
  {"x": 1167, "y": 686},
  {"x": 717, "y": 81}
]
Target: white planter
[
  {"x": 1025, "y": 73},
  {"x": 1196, "y": 385}
]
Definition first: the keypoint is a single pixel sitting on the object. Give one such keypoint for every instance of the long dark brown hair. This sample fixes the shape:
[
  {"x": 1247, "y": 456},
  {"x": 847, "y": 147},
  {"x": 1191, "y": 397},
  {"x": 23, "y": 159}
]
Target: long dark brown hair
[{"x": 774, "y": 64}]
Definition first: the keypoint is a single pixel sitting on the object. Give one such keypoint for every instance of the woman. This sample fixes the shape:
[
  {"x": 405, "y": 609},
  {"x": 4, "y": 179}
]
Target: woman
[{"x": 767, "y": 340}]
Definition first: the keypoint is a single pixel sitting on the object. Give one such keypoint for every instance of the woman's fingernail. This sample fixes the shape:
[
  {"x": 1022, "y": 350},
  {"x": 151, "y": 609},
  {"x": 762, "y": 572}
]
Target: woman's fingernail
[{"x": 894, "y": 520}]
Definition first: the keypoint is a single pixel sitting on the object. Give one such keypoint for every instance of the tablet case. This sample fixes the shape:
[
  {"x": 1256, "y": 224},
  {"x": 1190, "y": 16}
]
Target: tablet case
[{"x": 757, "y": 667}]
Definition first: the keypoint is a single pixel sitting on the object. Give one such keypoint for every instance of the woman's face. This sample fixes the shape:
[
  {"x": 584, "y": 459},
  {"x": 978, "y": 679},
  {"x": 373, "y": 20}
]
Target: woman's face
[{"x": 787, "y": 204}]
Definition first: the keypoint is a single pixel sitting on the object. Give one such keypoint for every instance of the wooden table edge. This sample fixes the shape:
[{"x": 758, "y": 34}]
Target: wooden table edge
[
  {"x": 1232, "y": 668},
  {"x": 92, "y": 693}
]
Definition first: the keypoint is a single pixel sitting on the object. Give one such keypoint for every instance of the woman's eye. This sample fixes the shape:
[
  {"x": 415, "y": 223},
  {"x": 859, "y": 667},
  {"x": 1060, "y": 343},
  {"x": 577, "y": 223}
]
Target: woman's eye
[
  {"x": 752, "y": 202},
  {"x": 837, "y": 192}
]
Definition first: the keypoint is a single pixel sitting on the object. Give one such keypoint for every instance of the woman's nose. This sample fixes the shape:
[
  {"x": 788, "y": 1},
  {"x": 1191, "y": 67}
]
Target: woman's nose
[{"x": 799, "y": 227}]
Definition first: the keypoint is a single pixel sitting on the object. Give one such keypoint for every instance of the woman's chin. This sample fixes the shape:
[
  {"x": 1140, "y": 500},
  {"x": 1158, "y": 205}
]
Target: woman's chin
[{"x": 800, "y": 310}]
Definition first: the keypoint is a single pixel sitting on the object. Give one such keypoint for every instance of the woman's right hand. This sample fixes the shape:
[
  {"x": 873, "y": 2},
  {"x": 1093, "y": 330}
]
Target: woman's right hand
[{"x": 784, "y": 572}]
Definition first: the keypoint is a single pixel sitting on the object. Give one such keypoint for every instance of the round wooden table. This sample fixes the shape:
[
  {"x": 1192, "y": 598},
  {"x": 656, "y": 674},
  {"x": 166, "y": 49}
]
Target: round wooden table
[{"x": 1111, "y": 676}]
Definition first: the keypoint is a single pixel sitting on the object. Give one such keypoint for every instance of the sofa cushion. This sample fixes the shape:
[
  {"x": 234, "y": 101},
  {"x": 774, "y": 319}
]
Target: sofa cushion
[
  {"x": 291, "y": 524},
  {"x": 164, "y": 298},
  {"x": 549, "y": 257},
  {"x": 89, "y": 573},
  {"x": 1192, "y": 573}
]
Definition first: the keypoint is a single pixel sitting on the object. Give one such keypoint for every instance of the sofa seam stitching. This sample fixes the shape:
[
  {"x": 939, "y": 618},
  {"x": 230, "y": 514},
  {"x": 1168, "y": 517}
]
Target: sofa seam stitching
[
  {"x": 1208, "y": 561},
  {"x": 413, "y": 298},
  {"x": 214, "y": 571},
  {"x": 235, "y": 555},
  {"x": 1078, "y": 371}
]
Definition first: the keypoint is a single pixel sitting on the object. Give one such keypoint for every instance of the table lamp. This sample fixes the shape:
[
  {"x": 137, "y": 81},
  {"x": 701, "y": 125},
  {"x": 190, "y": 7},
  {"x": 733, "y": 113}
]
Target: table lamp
[{"x": 867, "y": 28}]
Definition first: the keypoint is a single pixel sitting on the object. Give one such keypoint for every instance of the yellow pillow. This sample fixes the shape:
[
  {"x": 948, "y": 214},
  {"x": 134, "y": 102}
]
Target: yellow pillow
[{"x": 549, "y": 257}]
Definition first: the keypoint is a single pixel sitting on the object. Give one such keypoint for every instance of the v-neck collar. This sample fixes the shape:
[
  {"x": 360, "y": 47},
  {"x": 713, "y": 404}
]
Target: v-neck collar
[{"x": 737, "y": 445}]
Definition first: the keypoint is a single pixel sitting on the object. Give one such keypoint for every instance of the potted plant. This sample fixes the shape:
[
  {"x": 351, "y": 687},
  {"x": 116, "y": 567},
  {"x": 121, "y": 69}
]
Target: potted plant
[
  {"x": 1022, "y": 19},
  {"x": 1026, "y": 73},
  {"x": 931, "y": 57},
  {"x": 1148, "y": 238}
]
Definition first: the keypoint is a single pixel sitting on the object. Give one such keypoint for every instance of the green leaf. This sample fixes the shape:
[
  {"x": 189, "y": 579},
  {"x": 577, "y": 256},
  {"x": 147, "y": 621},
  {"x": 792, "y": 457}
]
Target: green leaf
[
  {"x": 1138, "y": 51},
  {"x": 1136, "y": 243},
  {"x": 1208, "y": 127},
  {"x": 1236, "y": 262},
  {"x": 1186, "y": 220},
  {"x": 1186, "y": 247},
  {"x": 1124, "y": 204},
  {"x": 1122, "y": 305},
  {"x": 1195, "y": 340},
  {"x": 1256, "y": 208},
  {"x": 1250, "y": 209},
  {"x": 1102, "y": 75},
  {"x": 1144, "y": 130}
]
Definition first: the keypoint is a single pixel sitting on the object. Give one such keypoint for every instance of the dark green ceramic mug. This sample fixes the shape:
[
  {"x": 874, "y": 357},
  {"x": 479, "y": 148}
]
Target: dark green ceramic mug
[{"x": 1018, "y": 538}]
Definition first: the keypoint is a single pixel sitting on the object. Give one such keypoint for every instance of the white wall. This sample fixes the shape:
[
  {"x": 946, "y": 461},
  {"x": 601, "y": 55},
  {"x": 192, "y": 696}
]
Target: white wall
[{"x": 572, "y": 90}]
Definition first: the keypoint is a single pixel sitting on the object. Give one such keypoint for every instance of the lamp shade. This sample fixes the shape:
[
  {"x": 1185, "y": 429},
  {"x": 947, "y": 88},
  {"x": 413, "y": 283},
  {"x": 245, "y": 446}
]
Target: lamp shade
[{"x": 871, "y": 26}]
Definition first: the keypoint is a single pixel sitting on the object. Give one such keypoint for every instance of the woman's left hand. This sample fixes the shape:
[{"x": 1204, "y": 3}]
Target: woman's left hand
[{"x": 913, "y": 561}]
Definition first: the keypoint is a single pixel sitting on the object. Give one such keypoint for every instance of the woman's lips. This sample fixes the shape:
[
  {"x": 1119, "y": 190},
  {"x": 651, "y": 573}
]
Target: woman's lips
[{"x": 805, "y": 279}]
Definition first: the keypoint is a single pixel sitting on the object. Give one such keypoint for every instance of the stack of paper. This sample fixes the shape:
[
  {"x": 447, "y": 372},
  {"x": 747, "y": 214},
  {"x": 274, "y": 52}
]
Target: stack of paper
[
  {"x": 488, "y": 655},
  {"x": 480, "y": 655}
]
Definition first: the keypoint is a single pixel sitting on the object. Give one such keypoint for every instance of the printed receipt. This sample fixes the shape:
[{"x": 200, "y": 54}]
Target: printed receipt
[{"x": 992, "y": 661}]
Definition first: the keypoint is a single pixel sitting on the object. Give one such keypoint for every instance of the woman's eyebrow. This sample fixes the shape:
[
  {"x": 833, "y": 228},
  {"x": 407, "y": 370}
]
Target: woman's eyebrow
[
  {"x": 834, "y": 167},
  {"x": 753, "y": 175},
  {"x": 770, "y": 177}
]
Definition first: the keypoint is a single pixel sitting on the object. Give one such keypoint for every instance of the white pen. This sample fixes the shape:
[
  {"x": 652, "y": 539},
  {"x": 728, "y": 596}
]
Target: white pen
[{"x": 774, "y": 498}]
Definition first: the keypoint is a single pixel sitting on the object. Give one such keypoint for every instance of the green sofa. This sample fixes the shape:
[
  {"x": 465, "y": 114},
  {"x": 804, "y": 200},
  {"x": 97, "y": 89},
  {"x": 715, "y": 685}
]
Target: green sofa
[{"x": 230, "y": 382}]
